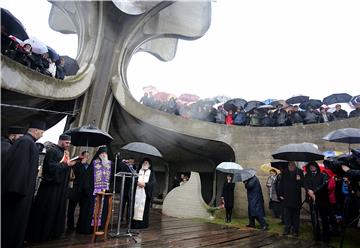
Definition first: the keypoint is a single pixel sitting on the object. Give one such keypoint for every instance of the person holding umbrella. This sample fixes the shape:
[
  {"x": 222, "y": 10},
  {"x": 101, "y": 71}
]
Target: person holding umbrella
[
  {"x": 316, "y": 186},
  {"x": 227, "y": 197},
  {"x": 290, "y": 185}
]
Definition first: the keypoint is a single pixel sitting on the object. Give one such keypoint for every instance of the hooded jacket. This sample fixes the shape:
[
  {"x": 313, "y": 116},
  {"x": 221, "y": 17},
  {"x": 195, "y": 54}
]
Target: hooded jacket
[{"x": 317, "y": 182}]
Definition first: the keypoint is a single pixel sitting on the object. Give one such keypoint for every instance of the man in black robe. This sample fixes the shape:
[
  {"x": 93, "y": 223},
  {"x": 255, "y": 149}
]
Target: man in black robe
[
  {"x": 47, "y": 218},
  {"x": 13, "y": 134},
  {"x": 145, "y": 182},
  {"x": 290, "y": 185},
  {"x": 75, "y": 190},
  {"x": 130, "y": 167},
  {"x": 18, "y": 180}
]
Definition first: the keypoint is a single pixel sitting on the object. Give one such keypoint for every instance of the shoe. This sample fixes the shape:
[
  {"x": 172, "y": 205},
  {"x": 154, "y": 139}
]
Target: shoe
[{"x": 251, "y": 226}]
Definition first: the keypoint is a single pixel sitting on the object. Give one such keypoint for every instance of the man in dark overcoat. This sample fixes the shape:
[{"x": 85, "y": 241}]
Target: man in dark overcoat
[{"x": 18, "y": 180}]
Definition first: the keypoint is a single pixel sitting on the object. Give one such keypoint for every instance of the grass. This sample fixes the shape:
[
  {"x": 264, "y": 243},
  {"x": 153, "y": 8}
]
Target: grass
[{"x": 352, "y": 235}]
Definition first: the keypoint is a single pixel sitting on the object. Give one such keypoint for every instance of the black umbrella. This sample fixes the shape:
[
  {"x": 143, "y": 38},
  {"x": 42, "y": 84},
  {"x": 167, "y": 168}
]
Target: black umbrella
[
  {"x": 234, "y": 103},
  {"x": 88, "y": 135},
  {"x": 355, "y": 100},
  {"x": 297, "y": 99},
  {"x": 53, "y": 54},
  {"x": 12, "y": 25},
  {"x": 313, "y": 103},
  {"x": 305, "y": 152},
  {"x": 71, "y": 66},
  {"x": 344, "y": 135},
  {"x": 279, "y": 102},
  {"x": 252, "y": 105},
  {"x": 278, "y": 164},
  {"x": 243, "y": 175},
  {"x": 337, "y": 98}
]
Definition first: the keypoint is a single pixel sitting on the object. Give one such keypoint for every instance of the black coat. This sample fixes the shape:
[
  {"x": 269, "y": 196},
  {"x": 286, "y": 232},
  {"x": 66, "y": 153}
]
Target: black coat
[
  {"x": 317, "y": 182},
  {"x": 228, "y": 194},
  {"x": 18, "y": 185},
  {"x": 355, "y": 113},
  {"x": 341, "y": 114},
  {"x": 47, "y": 218},
  {"x": 255, "y": 197},
  {"x": 83, "y": 184},
  {"x": 5, "y": 146},
  {"x": 290, "y": 188}
]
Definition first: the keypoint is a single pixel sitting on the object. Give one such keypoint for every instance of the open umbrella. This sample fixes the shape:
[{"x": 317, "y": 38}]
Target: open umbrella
[
  {"x": 344, "y": 135},
  {"x": 37, "y": 45},
  {"x": 267, "y": 167},
  {"x": 266, "y": 107},
  {"x": 229, "y": 167},
  {"x": 337, "y": 98},
  {"x": 186, "y": 97},
  {"x": 306, "y": 152},
  {"x": 313, "y": 103},
  {"x": 53, "y": 54},
  {"x": 12, "y": 25},
  {"x": 143, "y": 148},
  {"x": 297, "y": 99},
  {"x": 355, "y": 100},
  {"x": 150, "y": 88},
  {"x": 278, "y": 102},
  {"x": 88, "y": 135},
  {"x": 252, "y": 105},
  {"x": 71, "y": 65},
  {"x": 234, "y": 103},
  {"x": 278, "y": 164},
  {"x": 243, "y": 175}
]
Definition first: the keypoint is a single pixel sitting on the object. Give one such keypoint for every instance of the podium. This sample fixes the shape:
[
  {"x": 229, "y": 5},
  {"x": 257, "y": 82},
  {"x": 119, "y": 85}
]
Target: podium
[{"x": 128, "y": 232}]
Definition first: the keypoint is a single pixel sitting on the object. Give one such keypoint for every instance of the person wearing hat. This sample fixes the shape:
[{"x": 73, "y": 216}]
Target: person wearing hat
[
  {"x": 47, "y": 217},
  {"x": 13, "y": 134},
  {"x": 19, "y": 171}
]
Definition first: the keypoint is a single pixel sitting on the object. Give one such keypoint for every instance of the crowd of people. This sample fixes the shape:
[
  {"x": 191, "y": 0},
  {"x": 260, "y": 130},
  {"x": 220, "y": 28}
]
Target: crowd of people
[
  {"x": 332, "y": 194},
  {"x": 22, "y": 52},
  {"x": 268, "y": 116},
  {"x": 65, "y": 183}
]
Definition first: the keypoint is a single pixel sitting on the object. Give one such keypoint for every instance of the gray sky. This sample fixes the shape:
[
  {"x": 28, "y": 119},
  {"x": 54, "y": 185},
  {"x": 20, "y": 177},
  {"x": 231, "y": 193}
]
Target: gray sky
[{"x": 255, "y": 49}]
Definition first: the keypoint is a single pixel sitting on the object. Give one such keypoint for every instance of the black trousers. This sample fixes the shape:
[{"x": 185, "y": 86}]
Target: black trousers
[
  {"x": 321, "y": 210},
  {"x": 70, "y": 213},
  {"x": 292, "y": 220},
  {"x": 228, "y": 212}
]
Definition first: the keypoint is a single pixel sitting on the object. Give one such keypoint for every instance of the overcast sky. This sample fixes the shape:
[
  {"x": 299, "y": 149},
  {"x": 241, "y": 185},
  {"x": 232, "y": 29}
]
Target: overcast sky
[{"x": 255, "y": 49}]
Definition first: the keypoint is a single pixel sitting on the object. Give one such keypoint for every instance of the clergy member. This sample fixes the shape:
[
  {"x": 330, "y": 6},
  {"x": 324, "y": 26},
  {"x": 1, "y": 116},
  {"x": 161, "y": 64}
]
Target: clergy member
[
  {"x": 143, "y": 195},
  {"x": 18, "y": 180},
  {"x": 47, "y": 218}
]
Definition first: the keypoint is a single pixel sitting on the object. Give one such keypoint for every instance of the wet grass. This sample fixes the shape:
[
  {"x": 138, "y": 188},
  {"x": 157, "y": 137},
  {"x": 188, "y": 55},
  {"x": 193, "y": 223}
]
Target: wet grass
[{"x": 352, "y": 235}]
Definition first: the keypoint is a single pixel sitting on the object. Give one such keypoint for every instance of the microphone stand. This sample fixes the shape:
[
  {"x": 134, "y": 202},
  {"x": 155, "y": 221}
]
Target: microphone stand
[{"x": 114, "y": 191}]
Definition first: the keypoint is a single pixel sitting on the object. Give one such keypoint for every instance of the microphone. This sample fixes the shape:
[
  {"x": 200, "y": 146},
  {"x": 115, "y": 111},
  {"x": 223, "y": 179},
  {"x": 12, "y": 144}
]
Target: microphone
[{"x": 117, "y": 154}]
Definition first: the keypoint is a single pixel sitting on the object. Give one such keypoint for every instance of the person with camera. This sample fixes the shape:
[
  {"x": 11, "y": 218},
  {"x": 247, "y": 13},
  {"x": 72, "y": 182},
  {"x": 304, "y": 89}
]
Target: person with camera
[{"x": 316, "y": 186}]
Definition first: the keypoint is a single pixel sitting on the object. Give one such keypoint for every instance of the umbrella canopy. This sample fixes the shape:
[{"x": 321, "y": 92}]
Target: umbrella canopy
[
  {"x": 150, "y": 88},
  {"x": 232, "y": 104},
  {"x": 297, "y": 99},
  {"x": 337, "y": 98},
  {"x": 243, "y": 175},
  {"x": 328, "y": 154},
  {"x": 344, "y": 135},
  {"x": 267, "y": 167},
  {"x": 143, "y": 148},
  {"x": 53, "y": 54},
  {"x": 252, "y": 105},
  {"x": 355, "y": 100},
  {"x": 276, "y": 103},
  {"x": 313, "y": 103},
  {"x": 278, "y": 164},
  {"x": 266, "y": 106},
  {"x": 188, "y": 97},
  {"x": 12, "y": 25},
  {"x": 71, "y": 65},
  {"x": 88, "y": 135},
  {"x": 37, "y": 45},
  {"x": 229, "y": 167},
  {"x": 269, "y": 100},
  {"x": 306, "y": 152},
  {"x": 163, "y": 96}
]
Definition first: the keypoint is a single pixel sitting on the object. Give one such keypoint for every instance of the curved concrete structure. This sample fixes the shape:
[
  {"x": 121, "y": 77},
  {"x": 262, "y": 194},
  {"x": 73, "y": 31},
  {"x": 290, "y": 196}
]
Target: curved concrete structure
[
  {"x": 186, "y": 200},
  {"x": 108, "y": 38}
]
